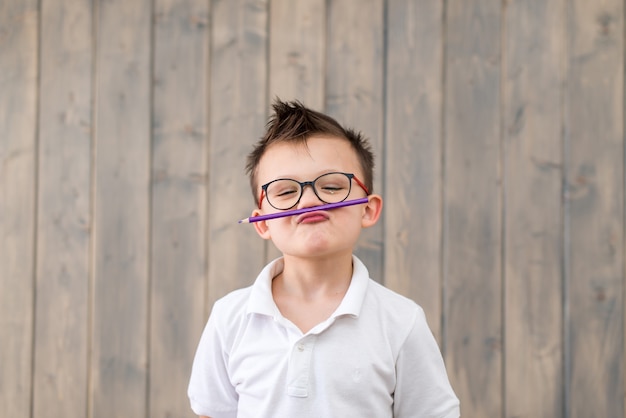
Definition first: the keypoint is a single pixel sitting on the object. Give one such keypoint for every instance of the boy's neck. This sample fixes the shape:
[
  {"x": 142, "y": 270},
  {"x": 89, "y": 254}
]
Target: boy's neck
[
  {"x": 308, "y": 291},
  {"x": 311, "y": 278}
]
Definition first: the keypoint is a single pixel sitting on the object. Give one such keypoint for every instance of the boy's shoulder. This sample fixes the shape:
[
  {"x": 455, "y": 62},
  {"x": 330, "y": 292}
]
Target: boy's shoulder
[
  {"x": 233, "y": 305},
  {"x": 234, "y": 299},
  {"x": 257, "y": 297},
  {"x": 391, "y": 302}
]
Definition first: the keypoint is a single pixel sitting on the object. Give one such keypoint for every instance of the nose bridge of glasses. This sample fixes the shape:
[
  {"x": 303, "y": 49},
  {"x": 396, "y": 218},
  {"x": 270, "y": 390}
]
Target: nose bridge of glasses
[{"x": 312, "y": 187}]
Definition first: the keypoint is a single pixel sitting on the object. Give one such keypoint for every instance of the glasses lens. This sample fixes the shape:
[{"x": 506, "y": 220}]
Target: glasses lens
[
  {"x": 283, "y": 194},
  {"x": 333, "y": 187}
]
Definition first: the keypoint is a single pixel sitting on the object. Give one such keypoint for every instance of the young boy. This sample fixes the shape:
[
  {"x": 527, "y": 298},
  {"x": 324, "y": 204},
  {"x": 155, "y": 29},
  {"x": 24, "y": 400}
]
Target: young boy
[{"x": 314, "y": 336}]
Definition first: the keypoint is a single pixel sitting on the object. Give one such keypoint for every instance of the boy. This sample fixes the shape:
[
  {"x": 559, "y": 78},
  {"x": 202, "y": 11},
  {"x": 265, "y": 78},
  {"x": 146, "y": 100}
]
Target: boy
[{"x": 314, "y": 336}]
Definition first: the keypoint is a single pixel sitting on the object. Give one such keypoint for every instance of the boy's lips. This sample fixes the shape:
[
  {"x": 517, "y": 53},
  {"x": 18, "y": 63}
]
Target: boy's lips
[{"x": 316, "y": 216}]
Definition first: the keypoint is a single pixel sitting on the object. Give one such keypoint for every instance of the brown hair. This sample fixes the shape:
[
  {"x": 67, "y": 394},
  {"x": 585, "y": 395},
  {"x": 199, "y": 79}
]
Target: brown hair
[{"x": 294, "y": 122}]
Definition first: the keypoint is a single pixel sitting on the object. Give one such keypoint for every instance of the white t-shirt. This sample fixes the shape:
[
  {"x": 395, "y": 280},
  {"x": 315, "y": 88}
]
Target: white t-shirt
[{"x": 374, "y": 357}]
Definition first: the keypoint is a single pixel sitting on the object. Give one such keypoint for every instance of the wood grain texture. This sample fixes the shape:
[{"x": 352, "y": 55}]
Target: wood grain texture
[
  {"x": 122, "y": 213},
  {"x": 472, "y": 205},
  {"x": 297, "y": 40},
  {"x": 64, "y": 210},
  {"x": 413, "y": 137},
  {"x": 535, "y": 46},
  {"x": 354, "y": 94},
  {"x": 178, "y": 222},
  {"x": 595, "y": 181},
  {"x": 238, "y": 102},
  {"x": 18, "y": 148}
]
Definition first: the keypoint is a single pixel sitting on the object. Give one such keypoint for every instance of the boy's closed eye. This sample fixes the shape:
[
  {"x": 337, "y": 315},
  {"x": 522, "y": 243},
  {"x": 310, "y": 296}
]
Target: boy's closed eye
[
  {"x": 332, "y": 189},
  {"x": 285, "y": 193}
]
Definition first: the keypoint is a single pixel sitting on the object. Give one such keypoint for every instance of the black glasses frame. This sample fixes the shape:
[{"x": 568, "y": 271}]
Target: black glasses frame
[{"x": 311, "y": 183}]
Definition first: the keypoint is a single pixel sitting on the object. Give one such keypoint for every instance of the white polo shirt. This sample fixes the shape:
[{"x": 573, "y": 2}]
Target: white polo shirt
[{"x": 374, "y": 357}]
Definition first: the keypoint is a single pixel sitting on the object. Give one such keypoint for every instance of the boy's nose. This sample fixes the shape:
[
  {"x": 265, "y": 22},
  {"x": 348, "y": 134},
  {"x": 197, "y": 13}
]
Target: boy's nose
[{"x": 309, "y": 198}]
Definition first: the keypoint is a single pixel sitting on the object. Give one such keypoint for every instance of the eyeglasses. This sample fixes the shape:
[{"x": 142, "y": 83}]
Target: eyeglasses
[{"x": 283, "y": 194}]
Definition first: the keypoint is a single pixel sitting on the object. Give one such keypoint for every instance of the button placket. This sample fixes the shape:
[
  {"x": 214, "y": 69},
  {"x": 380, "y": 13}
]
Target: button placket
[{"x": 299, "y": 367}]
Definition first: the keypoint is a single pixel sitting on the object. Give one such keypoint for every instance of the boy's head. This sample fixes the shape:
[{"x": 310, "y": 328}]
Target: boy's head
[{"x": 295, "y": 123}]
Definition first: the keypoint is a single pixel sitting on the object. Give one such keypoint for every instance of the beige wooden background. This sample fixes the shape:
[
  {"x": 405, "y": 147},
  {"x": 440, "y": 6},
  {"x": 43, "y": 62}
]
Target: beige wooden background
[{"x": 499, "y": 132}]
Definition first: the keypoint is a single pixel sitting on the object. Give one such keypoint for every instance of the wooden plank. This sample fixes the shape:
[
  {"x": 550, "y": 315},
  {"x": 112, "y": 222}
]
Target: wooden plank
[
  {"x": 472, "y": 206},
  {"x": 297, "y": 41},
  {"x": 534, "y": 51},
  {"x": 18, "y": 116},
  {"x": 64, "y": 210},
  {"x": 595, "y": 260},
  {"x": 413, "y": 147},
  {"x": 354, "y": 94},
  {"x": 121, "y": 205},
  {"x": 178, "y": 237},
  {"x": 238, "y": 103},
  {"x": 296, "y": 67}
]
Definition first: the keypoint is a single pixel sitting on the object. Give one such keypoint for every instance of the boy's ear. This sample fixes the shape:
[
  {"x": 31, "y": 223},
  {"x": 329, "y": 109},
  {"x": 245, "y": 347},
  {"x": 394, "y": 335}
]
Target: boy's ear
[
  {"x": 261, "y": 226},
  {"x": 372, "y": 211}
]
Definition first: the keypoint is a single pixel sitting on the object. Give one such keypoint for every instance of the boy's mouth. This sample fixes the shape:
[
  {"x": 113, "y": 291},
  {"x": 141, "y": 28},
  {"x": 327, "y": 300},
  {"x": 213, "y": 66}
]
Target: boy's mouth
[{"x": 311, "y": 217}]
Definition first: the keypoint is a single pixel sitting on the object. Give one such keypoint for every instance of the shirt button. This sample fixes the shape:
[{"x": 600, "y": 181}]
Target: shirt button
[{"x": 300, "y": 347}]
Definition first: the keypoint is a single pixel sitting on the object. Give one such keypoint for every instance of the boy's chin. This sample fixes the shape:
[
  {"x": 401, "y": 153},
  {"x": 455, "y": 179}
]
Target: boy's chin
[{"x": 313, "y": 252}]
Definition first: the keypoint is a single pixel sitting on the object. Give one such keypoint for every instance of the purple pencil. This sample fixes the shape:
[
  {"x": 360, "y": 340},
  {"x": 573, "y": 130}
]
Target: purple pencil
[{"x": 327, "y": 206}]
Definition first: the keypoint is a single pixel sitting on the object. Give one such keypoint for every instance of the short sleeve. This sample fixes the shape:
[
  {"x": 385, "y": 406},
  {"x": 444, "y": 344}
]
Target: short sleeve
[
  {"x": 422, "y": 385},
  {"x": 210, "y": 390}
]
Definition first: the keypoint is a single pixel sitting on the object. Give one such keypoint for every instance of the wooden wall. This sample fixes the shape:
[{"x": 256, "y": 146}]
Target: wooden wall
[{"x": 499, "y": 132}]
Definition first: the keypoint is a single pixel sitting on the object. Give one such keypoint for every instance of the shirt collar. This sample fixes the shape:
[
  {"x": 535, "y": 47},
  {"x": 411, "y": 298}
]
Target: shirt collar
[
  {"x": 262, "y": 302},
  {"x": 353, "y": 300}
]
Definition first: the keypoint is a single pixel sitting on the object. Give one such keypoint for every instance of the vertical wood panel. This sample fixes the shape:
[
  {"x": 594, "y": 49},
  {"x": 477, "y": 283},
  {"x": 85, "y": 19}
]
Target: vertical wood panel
[
  {"x": 238, "y": 114},
  {"x": 354, "y": 93},
  {"x": 596, "y": 198},
  {"x": 18, "y": 124},
  {"x": 120, "y": 311},
  {"x": 296, "y": 61},
  {"x": 472, "y": 206},
  {"x": 64, "y": 214},
  {"x": 297, "y": 45},
  {"x": 534, "y": 51},
  {"x": 178, "y": 256},
  {"x": 413, "y": 154}
]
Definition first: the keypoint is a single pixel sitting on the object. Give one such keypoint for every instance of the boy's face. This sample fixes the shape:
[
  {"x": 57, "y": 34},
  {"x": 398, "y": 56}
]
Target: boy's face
[{"x": 315, "y": 234}]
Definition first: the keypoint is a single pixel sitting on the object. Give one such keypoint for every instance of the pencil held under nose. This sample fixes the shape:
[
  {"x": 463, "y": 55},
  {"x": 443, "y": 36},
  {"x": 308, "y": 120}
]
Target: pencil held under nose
[{"x": 327, "y": 206}]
